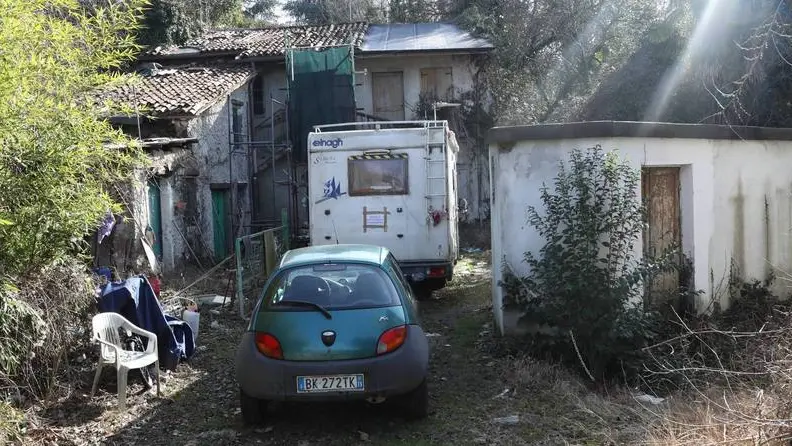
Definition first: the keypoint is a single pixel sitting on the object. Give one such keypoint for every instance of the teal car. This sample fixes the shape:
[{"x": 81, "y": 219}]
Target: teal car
[{"x": 334, "y": 322}]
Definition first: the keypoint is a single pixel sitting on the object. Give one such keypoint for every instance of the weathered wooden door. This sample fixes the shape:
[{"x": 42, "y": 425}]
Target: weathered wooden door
[
  {"x": 219, "y": 222},
  {"x": 387, "y": 95},
  {"x": 660, "y": 190}
]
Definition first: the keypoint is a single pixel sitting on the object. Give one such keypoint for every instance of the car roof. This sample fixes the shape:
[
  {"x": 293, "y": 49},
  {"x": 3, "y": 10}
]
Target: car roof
[{"x": 335, "y": 253}]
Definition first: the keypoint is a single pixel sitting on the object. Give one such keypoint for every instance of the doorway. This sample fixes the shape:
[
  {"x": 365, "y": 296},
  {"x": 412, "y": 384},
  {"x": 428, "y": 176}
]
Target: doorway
[
  {"x": 154, "y": 229},
  {"x": 660, "y": 191},
  {"x": 220, "y": 223}
]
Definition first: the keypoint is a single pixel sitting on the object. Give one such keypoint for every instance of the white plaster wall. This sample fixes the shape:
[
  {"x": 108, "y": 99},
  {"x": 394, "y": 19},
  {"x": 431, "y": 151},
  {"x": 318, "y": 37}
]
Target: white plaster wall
[
  {"x": 462, "y": 71},
  {"x": 172, "y": 243},
  {"x": 756, "y": 233},
  {"x": 715, "y": 176}
]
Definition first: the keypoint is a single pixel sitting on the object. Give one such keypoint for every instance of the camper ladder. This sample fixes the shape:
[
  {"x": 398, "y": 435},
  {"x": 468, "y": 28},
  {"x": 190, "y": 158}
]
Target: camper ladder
[{"x": 435, "y": 182}]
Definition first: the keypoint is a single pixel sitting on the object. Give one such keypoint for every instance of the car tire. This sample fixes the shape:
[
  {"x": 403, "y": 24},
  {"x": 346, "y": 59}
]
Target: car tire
[
  {"x": 253, "y": 409},
  {"x": 415, "y": 404}
]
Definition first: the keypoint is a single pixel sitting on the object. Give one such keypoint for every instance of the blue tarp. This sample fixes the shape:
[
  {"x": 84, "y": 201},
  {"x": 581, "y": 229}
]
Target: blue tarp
[{"x": 135, "y": 300}]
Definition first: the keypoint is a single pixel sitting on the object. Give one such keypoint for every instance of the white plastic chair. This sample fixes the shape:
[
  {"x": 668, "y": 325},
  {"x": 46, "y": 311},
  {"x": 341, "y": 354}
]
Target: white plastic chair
[{"x": 112, "y": 352}]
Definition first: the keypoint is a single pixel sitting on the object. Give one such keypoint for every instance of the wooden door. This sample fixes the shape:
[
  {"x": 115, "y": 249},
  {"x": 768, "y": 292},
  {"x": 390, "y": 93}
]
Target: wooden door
[
  {"x": 387, "y": 95},
  {"x": 220, "y": 223},
  {"x": 660, "y": 190}
]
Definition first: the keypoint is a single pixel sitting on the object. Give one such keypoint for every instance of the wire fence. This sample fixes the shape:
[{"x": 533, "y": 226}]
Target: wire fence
[{"x": 257, "y": 256}]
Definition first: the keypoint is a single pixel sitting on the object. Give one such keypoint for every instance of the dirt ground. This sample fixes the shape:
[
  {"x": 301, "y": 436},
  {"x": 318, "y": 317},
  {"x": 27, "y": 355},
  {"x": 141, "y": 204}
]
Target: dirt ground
[{"x": 479, "y": 394}]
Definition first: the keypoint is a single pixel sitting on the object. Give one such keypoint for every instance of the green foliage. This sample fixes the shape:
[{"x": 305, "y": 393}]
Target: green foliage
[
  {"x": 176, "y": 21},
  {"x": 586, "y": 281},
  {"x": 323, "y": 12},
  {"x": 54, "y": 168},
  {"x": 550, "y": 56}
]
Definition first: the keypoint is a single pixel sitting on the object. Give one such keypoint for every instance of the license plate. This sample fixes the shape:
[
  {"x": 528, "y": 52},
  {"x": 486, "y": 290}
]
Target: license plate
[{"x": 331, "y": 383}]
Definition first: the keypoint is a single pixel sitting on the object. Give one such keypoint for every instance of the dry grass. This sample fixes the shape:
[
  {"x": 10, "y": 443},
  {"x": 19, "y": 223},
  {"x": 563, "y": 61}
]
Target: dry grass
[
  {"x": 11, "y": 423},
  {"x": 742, "y": 418},
  {"x": 568, "y": 411},
  {"x": 733, "y": 375}
]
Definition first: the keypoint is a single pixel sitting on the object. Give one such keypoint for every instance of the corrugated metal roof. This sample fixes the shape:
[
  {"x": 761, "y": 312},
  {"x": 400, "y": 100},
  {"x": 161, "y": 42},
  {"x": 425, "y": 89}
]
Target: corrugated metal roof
[{"x": 421, "y": 37}]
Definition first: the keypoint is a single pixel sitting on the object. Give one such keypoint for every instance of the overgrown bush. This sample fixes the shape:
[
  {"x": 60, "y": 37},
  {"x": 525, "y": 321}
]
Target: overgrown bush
[
  {"x": 45, "y": 325},
  {"x": 741, "y": 342},
  {"x": 583, "y": 294},
  {"x": 21, "y": 330}
]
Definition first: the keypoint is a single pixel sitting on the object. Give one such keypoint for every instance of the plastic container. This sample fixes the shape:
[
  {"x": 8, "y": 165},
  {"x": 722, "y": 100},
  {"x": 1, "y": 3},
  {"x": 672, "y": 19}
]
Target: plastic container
[{"x": 193, "y": 319}]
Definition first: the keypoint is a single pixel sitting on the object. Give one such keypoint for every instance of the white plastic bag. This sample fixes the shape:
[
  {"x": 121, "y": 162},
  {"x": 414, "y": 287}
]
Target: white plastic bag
[{"x": 193, "y": 319}]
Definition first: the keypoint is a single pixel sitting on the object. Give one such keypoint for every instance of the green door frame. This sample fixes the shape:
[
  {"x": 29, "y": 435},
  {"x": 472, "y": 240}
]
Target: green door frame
[
  {"x": 155, "y": 215},
  {"x": 220, "y": 227}
]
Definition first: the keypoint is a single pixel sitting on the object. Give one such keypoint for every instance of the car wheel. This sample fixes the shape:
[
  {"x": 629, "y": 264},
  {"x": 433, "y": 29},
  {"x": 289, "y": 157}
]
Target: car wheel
[
  {"x": 253, "y": 409},
  {"x": 416, "y": 403}
]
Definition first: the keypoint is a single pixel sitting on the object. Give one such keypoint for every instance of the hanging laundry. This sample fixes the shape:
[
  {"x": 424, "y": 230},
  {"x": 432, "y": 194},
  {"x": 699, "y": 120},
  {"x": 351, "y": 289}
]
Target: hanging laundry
[{"x": 106, "y": 227}]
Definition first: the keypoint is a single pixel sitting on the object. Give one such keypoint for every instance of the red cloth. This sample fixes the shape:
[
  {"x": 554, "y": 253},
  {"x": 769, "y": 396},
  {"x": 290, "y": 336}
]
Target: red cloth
[{"x": 155, "y": 285}]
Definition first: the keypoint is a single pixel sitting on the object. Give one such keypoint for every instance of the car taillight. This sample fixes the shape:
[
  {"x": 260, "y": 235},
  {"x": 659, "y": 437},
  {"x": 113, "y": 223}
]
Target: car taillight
[
  {"x": 269, "y": 346},
  {"x": 391, "y": 339},
  {"x": 436, "y": 271}
]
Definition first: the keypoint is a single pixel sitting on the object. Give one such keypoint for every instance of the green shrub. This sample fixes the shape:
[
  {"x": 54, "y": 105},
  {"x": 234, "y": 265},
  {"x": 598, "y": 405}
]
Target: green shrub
[
  {"x": 585, "y": 284},
  {"x": 54, "y": 167}
]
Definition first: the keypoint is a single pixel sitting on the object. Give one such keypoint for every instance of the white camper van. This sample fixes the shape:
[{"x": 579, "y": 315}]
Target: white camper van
[{"x": 391, "y": 184}]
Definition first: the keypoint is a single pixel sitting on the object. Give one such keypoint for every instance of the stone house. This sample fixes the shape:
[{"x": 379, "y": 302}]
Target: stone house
[{"x": 194, "y": 198}]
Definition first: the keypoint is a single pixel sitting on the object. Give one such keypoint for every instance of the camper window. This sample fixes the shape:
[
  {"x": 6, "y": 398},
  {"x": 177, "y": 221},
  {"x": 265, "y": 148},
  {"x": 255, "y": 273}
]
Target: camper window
[{"x": 377, "y": 176}]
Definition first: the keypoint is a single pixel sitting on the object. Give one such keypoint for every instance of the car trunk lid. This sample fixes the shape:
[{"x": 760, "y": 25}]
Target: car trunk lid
[{"x": 355, "y": 332}]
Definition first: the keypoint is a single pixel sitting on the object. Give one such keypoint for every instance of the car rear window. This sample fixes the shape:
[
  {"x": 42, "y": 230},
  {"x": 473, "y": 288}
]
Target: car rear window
[{"x": 332, "y": 286}]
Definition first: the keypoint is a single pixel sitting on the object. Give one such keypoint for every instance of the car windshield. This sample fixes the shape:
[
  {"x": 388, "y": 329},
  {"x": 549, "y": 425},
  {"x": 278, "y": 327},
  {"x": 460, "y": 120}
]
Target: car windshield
[{"x": 331, "y": 287}]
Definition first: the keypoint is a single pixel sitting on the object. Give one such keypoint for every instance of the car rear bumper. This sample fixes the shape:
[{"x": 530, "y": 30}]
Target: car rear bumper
[
  {"x": 419, "y": 271},
  {"x": 391, "y": 374}
]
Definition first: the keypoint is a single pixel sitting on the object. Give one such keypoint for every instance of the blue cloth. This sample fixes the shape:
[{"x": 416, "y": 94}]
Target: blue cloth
[
  {"x": 183, "y": 334},
  {"x": 104, "y": 271},
  {"x": 134, "y": 299}
]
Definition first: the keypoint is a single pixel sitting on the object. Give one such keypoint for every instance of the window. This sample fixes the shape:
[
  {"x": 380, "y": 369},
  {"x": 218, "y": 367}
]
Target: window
[
  {"x": 378, "y": 175},
  {"x": 236, "y": 121},
  {"x": 340, "y": 286},
  {"x": 258, "y": 96},
  {"x": 437, "y": 83}
]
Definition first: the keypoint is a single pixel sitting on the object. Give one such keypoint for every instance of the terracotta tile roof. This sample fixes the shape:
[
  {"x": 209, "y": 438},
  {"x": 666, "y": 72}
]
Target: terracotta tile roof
[
  {"x": 263, "y": 42},
  {"x": 178, "y": 91}
]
